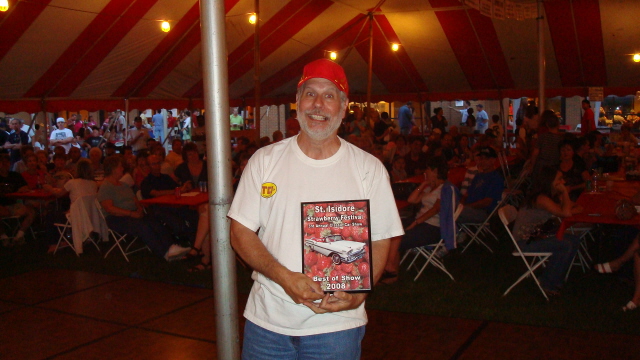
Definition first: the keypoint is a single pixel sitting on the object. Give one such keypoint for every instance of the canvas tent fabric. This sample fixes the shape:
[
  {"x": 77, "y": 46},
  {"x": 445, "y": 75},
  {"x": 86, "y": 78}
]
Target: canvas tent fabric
[{"x": 72, "y": 55}]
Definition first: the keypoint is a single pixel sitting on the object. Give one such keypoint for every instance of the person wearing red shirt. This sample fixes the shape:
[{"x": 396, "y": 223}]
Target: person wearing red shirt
[
  {"x": 588, "y": 122},
  {"x": 292, "y": 125}
]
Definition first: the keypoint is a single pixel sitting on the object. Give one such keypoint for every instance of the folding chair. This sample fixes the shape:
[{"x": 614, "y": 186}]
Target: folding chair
[
  {"x": 429, "y": 252},
  {"x": 12, "y": 225},
  {"x": 507, "y": 215},
  {"x": 120, "y": 239},
  {"x": 62, "y": 229},
  {"x": 504, "y": 165},
  {"x": 476, "y": 230},
  {"x": 582, "y": 258}
]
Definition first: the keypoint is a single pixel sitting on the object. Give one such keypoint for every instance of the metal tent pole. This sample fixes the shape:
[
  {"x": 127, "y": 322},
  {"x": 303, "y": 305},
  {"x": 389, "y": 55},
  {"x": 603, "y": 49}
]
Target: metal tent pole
[
  {"x": 541, "y": 59},
  {"x": 216, "y": 103},
  {"x": 256, "y": 72}
]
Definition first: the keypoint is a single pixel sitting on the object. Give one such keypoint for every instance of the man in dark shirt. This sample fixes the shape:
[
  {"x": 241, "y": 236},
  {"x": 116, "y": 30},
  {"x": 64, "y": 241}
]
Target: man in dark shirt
[
  {"x": 416, "y": 159},
  {"x": 13, "y": 182},
  {"x": 182, "y": 222},
  {"x": 380, "y": 128},
  {"x": 16, "y": 139},
  {"x": 4, "y": 135}
]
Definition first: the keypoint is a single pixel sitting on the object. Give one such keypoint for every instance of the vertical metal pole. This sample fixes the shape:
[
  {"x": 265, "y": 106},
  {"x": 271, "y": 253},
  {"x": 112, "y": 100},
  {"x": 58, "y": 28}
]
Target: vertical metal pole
[
  {"x": 46, "y": 124},
  {"x": 216, "y": 103},
  {"x": 370, "y": 73},
  {"x": 256, "y": 72},
  {"x": 126, "y": 121},
  {"x": 541, "y": 59}
]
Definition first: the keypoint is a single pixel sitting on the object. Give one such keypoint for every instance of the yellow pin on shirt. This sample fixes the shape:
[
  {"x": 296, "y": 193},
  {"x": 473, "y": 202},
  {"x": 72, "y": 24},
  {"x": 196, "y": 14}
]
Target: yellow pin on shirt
[{"x": 268, "y": 190}]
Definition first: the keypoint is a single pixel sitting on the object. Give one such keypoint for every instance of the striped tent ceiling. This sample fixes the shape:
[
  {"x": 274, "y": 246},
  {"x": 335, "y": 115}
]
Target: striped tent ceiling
[{"x": 69, "y": 54}]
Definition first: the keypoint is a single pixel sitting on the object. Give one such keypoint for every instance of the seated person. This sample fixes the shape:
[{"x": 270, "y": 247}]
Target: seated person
[
  {"x": 548, "y": 197},
  {"x": 13, "y": 182},
  {"x": 193, "y": 169},
  {"x": 124, "y": 213},
  {"x": 397, "y": 171},
  {"x": 632, "y": 253},
  {"x": 416, "y": 158},
  {"x": 21, "y": 165},
  {"x": 485, "y": 190},
  {"x": 573, "y": 170},
  {"x": 174, "y": 158},
  {"x": 34, "y": 177},
  {"x": 82, "y": 185},
  {"x": 424, "y": 229},
  {"x": 74, "y": 156}
]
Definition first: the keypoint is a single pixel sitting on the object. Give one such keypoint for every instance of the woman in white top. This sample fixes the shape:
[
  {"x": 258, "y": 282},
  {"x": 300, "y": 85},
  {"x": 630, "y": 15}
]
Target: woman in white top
[
  {"x": 425, "y": 228},
  {"x": 82, "y": 185}
]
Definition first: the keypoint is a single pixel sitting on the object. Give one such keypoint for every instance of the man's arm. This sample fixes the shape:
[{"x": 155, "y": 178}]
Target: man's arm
[
  {"x": 480, "y": 204},
  {"x": 298, "y": 286}
]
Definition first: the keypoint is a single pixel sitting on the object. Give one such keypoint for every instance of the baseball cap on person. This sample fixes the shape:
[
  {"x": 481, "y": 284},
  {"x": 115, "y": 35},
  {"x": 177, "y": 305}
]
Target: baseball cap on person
[
  {"x": 325, "y": 69},
  {"x": 487, "y": 151},
  {"x": 60, "y": 120}
]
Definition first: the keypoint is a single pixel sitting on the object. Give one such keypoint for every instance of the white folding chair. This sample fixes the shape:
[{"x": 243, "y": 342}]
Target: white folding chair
[
  {"x": 513, "y": 193},
  {"x": 508, "y": 214},
  {"x": 120, "y": 239},
  {"x": 429, "y": 252},
  {"x": 582, "y": 257},
  {"x": 477, "y": 230}
]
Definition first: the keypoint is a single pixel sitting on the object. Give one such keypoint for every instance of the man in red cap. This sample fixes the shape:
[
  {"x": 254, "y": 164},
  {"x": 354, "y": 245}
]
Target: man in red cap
[{"x": 288, "y": 315}]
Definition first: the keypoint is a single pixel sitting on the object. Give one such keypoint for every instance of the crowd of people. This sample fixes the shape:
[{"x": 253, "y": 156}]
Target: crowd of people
[
  {"x": 560, "y": 163},
  {"x": 97, "y": 163}
]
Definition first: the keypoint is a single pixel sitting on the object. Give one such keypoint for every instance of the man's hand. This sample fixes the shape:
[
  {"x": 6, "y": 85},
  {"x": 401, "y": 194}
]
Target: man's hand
[
  {"x": 338, "y": 301},
  {"x": 300, "y": 288}
]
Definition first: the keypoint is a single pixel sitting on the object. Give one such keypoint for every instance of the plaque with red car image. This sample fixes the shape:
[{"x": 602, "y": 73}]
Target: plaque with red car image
[{"x": 336, "y": 246}]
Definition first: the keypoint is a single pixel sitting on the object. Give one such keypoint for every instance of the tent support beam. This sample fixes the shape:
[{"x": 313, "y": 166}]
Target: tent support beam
[
  {"x": 367, "y": 115},
  {"x": 541, "y": 59},
  {"x": 218, "y": 135},
  {"x": 256, "y": 73}
]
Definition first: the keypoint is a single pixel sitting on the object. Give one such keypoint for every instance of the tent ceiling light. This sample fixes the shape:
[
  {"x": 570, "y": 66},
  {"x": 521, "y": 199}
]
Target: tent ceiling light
[
  {"x": 395, "y": 47},
  {"x": 333, "y": 55},
  {"x": 4, "y": 5},
  {"x": 253, "y": 19},
  {"x": 636, "y": 57},
  {"x": 165, "y": 26}
]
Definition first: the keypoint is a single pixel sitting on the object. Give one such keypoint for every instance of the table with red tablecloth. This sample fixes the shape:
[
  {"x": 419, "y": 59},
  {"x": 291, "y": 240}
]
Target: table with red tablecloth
[
  {"x": 599, "y": 207},
  {"x": 192, "y": 200}
]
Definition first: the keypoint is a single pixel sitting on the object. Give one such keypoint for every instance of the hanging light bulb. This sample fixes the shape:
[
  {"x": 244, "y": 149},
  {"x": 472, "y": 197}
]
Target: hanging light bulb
[
  {"x": 253, "y": 19},
  {"x": 636, "y": 57},
  {"x": 333, "y": 55},
  {"x": 165, "y": 26},
  {"x": 4, "y": 5},
  {"x": 395, "y": 47}
]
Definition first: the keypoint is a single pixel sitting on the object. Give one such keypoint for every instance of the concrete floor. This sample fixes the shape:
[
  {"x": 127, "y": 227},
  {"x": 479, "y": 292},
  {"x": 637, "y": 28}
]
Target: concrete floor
[{"x": 60, "y": 314}]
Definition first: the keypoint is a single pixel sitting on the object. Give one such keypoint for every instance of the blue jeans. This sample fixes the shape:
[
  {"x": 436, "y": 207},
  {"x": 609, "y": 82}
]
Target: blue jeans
[
  {"x": 260, "y": 343},
  {"x": 149, "y": 230},
  {"x": 558, "y": 264},
  {"x": 470, "y": 215}
]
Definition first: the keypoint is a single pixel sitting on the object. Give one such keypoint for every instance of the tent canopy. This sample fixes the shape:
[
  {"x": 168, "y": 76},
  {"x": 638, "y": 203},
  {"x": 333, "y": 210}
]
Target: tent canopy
[{"x": 89, "y": 55}]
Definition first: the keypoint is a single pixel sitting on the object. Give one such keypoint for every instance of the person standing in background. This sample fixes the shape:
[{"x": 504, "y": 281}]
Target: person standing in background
[{"x": 158, "y": 125}]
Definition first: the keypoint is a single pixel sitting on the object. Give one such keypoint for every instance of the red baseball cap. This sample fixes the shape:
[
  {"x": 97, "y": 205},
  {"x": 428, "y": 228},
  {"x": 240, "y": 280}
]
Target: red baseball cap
[{"x": 325, "y": 69}]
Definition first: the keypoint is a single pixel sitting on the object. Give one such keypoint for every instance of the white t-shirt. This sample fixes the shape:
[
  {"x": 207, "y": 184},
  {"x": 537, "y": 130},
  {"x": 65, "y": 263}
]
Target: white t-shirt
[
  {"x": 350, "y": 174},
  {"x": 78, "y": 188},
  {"x": 142, "y": 140},
  {"x": 61, "y": 134},
  {"x": 428, "y": 199}
]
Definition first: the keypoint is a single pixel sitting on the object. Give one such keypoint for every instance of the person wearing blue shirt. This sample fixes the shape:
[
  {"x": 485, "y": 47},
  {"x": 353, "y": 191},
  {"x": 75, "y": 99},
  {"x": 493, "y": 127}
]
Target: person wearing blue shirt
[
  {"x": 482, "y": 119},
  {"x": 485, "y": 190},
  {"x": 405, "y": 118},
  {"x": 158, "y": 125}
]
